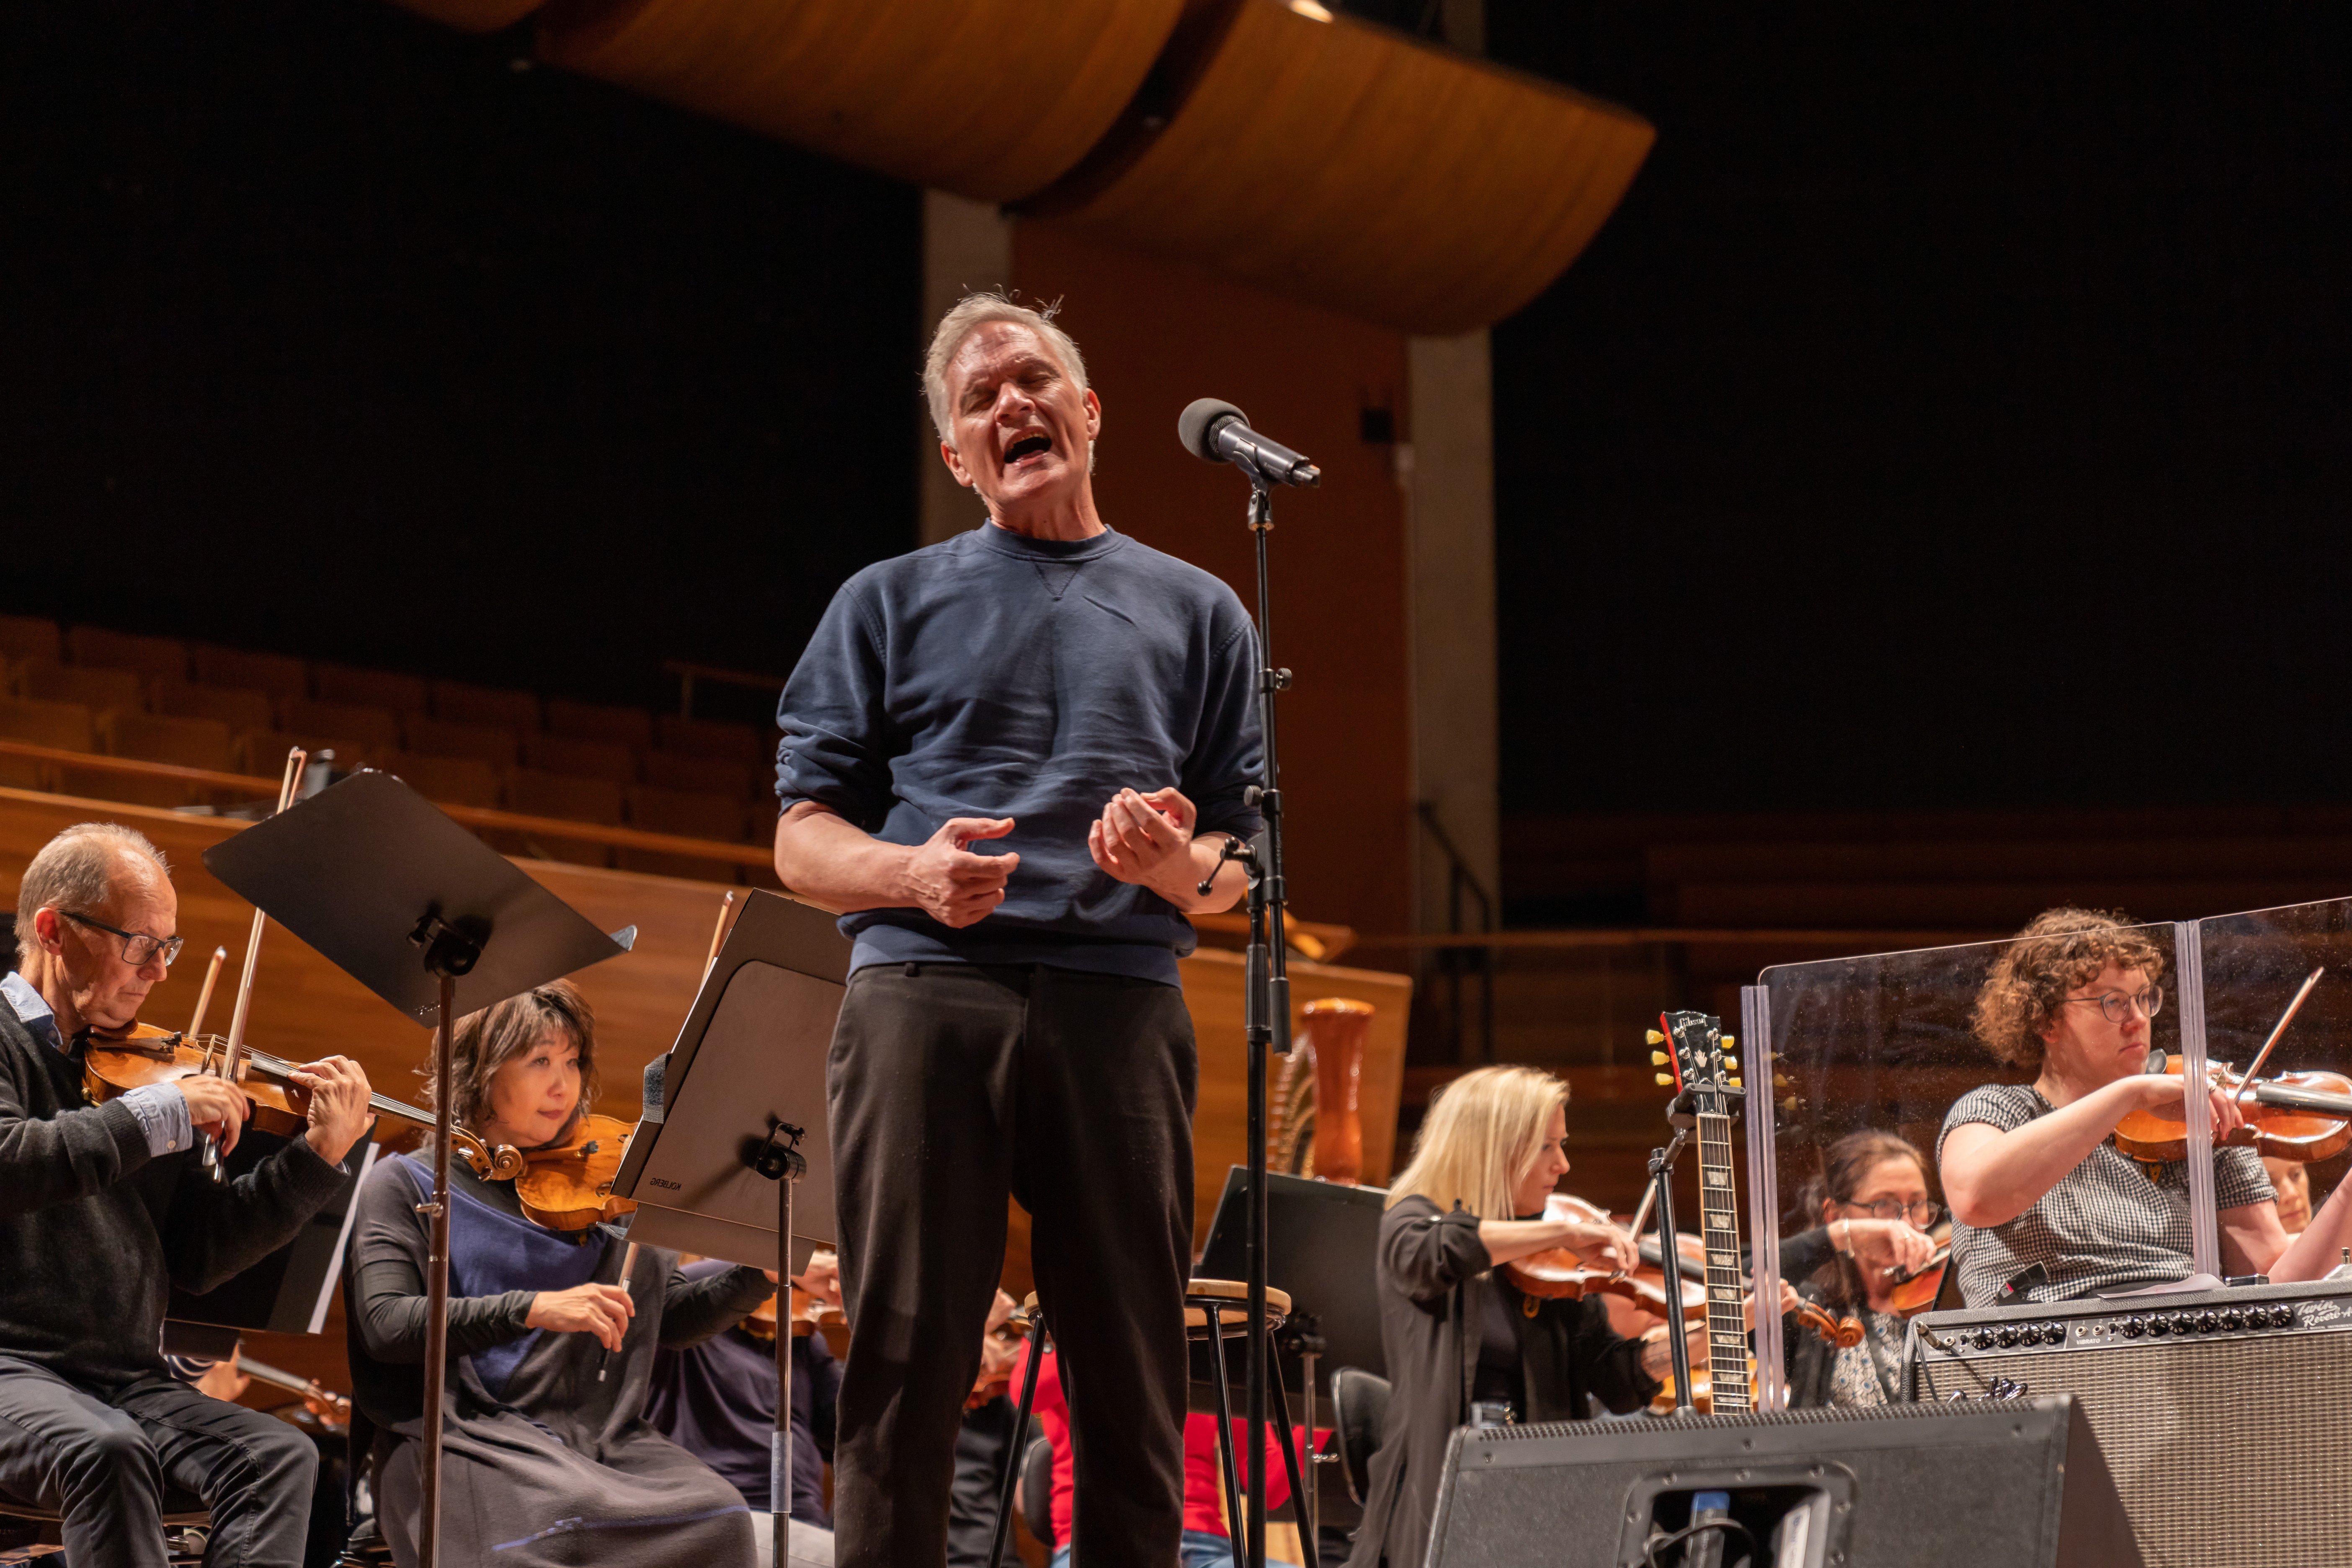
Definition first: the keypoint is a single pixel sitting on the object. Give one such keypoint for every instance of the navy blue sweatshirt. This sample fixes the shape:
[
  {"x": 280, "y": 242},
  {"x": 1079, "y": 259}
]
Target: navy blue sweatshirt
[{"x": 994, "y": 675}]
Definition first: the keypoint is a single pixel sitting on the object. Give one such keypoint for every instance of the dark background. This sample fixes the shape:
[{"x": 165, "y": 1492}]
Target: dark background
[
  {"x": 330, "y": 330},
  {"x": 1954, "y": 413}
]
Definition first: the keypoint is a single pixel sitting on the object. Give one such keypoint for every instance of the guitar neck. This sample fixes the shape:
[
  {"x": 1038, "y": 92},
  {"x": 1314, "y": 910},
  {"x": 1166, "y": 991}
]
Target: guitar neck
[{"x": 1726, "y": 1335}]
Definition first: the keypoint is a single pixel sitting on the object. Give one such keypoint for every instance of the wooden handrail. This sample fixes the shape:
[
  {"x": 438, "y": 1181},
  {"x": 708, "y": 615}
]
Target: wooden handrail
[{"x": 616, "y": 837}]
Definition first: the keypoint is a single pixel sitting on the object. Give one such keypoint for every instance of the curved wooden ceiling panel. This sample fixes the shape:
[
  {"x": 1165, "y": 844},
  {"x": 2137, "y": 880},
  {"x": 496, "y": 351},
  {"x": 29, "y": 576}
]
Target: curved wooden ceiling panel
[
  {"x": 1346, "y": 164},
  {"x": 991, "y": 99}
]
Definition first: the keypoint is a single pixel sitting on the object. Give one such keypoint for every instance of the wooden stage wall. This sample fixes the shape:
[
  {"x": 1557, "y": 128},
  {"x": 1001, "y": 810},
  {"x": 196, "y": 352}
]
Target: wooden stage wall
[{"x": 304, "y": 1006}]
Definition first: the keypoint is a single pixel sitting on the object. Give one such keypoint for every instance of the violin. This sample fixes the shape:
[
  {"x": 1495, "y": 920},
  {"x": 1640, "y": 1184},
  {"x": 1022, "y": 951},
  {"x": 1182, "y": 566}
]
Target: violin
[
  {"x": 115, "y": 1061},
  {"x": 2299, "y": 1116},
  {"x": 569, "y": 1185},
  {"x": 1910, "y": 1294},
  {"x": 809, "y": 1314},
  {"x": 1559, "y": 1274},
  {"x": 330, "y": 1409}
]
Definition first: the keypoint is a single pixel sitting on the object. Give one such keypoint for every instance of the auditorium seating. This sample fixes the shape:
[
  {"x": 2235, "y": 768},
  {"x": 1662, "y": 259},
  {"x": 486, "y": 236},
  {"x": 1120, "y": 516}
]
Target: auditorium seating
[
  {"x": 25, "y": 636},
  {"x": 99, "y": 690},
  {"x": 492, "y": 743},
  {"x": 65, "y": 725},
  {"x": 237, "y": 712}
]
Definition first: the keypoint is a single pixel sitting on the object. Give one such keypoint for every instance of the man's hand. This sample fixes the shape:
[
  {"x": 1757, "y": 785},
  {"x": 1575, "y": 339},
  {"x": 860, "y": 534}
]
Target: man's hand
[
  {"x": 821, "y": 1279},
  {"x": 338, "y": 1112},
  {"x": 951, "y": 884},
  {"x": 216, "y": 1106},
  {"x": 1146, "y": 839},
  {"x": 604, "y": 1310}
]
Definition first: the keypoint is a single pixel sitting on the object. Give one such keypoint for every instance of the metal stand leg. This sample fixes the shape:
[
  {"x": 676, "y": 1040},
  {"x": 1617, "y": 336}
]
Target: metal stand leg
[
  {"x": 437, "y": 1286},
  {"x": 1020, "y": 1449},
  {"x": 1236, "y": 1527},
  {"x": 779, "y": 1441},
  {"x": 1299, "y": 1493},
  {"x": 1662, "y": 1172}
]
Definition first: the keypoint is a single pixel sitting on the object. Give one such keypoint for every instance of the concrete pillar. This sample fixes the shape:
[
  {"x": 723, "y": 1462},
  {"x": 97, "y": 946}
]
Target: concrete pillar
[
  {"x": 966, "y": 246},
  {"x": 1448, "y": 472}
]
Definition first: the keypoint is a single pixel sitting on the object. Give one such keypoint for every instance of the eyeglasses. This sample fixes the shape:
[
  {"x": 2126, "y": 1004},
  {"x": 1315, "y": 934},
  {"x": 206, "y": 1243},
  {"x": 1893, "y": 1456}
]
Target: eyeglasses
[
  {"x": 2117, "y": 1006},
  {"x": 137, "y": 950},
  {"x": 1922, "y": 1214}
]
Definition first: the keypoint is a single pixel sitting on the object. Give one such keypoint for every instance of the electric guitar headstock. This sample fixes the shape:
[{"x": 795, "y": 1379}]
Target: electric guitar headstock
[{"x": 1699, "y": 1057}]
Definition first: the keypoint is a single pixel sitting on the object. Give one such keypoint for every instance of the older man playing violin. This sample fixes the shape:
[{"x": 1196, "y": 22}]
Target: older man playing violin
[
  {"x": 101, "y": 1213},
  {"x": 2040, "y": 1196}
]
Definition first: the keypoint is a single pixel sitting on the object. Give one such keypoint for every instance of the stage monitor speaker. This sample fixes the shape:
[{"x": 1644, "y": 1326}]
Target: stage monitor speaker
[
  {"x": 2225, "y": 1415},
  {"x": 2018, "y": 1483}
]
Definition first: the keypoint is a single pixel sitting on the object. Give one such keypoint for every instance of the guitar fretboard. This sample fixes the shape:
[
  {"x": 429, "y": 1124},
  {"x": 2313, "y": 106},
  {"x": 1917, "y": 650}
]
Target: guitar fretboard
[{"x": 1726, "y": 1335}]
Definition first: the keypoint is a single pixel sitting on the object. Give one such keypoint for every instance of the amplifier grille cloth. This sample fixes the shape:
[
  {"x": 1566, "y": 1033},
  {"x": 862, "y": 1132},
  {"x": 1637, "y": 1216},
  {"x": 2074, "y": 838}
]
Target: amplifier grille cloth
[{"x": 2227, "y": 1453}]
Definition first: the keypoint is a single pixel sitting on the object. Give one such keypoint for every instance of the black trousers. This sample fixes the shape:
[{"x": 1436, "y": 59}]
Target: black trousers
[
  {"x": 102, "y": 1463},
  {"x": 949, "y": 1087}
]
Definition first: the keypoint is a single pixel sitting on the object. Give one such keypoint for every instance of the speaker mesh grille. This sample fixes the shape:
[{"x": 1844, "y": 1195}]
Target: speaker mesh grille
[{"x": 2227, "y": 1453}]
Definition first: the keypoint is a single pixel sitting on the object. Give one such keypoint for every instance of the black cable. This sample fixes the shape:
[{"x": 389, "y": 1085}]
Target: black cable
[{"x": 1661, "y": 1543}]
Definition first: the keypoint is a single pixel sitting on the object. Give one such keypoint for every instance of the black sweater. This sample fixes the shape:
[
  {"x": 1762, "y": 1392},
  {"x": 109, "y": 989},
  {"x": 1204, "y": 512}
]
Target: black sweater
[
  {"x": 1432, "y": 1278},
  {"x": 94, "y": 1231}
]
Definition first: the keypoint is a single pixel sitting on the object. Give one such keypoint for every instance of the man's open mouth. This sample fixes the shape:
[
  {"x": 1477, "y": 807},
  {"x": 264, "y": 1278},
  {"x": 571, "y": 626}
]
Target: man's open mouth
[{"x": 1027, "y": 447}]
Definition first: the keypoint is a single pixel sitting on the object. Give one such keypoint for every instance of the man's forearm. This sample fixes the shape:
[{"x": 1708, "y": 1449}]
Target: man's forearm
[
  {"x": 836, "y": 865},
  {"x": 1183, "y": 887}
]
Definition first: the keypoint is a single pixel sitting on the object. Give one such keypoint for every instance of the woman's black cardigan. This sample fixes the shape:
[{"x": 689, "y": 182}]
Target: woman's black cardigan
[{"x": 1430, "y": 1272}]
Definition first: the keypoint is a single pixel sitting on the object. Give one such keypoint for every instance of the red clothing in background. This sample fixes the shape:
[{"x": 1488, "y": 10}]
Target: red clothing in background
[{"x": 1204, "y": 1485}]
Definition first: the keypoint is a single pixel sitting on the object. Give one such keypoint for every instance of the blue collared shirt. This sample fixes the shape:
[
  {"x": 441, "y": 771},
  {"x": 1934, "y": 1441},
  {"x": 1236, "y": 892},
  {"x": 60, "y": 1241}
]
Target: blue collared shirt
[{"x": 162, "y": 1109}]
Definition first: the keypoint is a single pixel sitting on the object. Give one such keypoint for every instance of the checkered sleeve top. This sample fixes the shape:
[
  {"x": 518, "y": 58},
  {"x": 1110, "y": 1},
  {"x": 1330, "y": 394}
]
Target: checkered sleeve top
[{"x": 2108, "y": 1224}]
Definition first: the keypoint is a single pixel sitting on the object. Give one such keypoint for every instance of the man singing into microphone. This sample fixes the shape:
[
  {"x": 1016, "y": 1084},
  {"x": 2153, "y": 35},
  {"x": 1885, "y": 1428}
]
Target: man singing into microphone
[{"x": 1011, "y": 761}]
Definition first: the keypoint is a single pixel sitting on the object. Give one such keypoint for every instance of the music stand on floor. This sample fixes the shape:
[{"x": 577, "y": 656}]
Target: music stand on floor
[
  {"x": 741, "y": 1104},
  {"x": 438, "y": 924}
]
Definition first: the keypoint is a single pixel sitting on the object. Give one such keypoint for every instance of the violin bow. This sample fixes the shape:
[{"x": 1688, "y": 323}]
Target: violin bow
[
  {"x": 233, "y": 1057},
  {"x": 205, "y": 996},
  {"x": 717, "y": 936},
  {"x": 2247, "y": 1086}
]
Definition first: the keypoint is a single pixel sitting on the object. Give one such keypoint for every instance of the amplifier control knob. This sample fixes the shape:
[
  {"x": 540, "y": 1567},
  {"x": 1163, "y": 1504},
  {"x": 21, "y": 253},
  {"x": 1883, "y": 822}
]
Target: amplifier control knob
[
  {"x": 2233, "y": 1320},
  {"x": 2134, "y": 1328},
  {"x": 1984, "y": 1339},
  {"x": 2282, "y": 1316},
  {"x": 2211, "y": 1322},
  {"x": 2157, "y": 1325},
  {"x": 2053, "y": 1334},
  {"x": 2006, "y": 1335}
]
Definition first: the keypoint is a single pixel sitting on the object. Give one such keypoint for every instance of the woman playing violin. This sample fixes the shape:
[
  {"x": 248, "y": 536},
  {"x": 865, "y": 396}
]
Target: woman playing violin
[
  {"x": 1872, "y": 1199},
  {"x": 549, "y": 1348},
  {"x": 1455, "y": 1330},
  {"x": 2039, "y": 1195}
]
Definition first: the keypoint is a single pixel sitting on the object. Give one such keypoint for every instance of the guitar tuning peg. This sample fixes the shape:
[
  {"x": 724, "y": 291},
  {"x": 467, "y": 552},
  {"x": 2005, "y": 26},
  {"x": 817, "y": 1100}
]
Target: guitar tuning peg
[
  {"x": 1655, "y": 1037},
  {"x": 1731, "y": 1063},
  {"x": 1737, "y": 1084},
  {"x": 1657, "y": 1059},
  {"x": 1729, "y": 1044},
  {"x": 1665, "y": 1079}
]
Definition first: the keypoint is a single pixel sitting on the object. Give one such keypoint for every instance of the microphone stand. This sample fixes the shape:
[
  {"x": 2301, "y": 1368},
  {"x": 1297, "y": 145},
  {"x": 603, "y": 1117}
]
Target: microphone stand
[{"x": 1266, "y": 1001}]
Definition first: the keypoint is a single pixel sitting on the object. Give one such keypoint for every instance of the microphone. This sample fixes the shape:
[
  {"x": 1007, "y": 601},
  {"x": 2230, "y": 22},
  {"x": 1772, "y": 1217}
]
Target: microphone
[{"x": 1217, "y": 432}]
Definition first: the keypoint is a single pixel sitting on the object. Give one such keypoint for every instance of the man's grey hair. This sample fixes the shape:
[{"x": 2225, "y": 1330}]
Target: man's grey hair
[
  {"x": 74, "y": 873},
  {"x": 968, "y": 315}
]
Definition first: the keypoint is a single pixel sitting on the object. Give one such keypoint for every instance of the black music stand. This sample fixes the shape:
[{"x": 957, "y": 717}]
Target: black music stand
[
  {"x": 1322, "y": 1249},
  {"x": 740, "y": 1105},
  {"x": 438, "y": 924}
]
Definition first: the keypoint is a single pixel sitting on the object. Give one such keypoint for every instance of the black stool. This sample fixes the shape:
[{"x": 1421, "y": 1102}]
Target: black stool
[{"x": 1225, "y": 1303}]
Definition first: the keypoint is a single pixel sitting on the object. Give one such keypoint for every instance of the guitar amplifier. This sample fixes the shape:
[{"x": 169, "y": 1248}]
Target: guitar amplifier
[{"x": 2225, "y": 1415}]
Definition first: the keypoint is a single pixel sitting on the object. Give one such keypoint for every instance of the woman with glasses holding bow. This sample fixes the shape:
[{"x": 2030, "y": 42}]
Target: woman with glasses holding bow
[
  {"x": 1873, "y": 1203},
  {"x": 2041, "y": 1200}
]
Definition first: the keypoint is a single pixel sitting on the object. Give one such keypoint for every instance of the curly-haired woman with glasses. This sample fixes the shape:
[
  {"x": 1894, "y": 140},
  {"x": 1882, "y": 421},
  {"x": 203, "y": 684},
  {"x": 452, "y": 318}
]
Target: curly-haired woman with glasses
[{"x": 2041, "y": 1198}]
